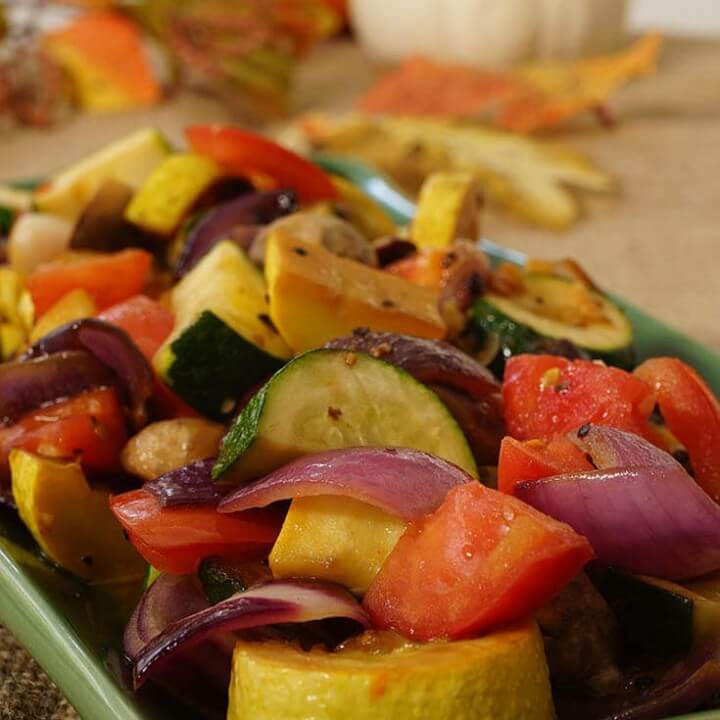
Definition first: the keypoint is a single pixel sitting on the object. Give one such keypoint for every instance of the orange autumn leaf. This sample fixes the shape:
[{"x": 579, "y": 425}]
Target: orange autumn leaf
[
  {"x": 563, "y": 90},
  {"x": 104, "y": 54},
  {"x": 531, "y": 98}
]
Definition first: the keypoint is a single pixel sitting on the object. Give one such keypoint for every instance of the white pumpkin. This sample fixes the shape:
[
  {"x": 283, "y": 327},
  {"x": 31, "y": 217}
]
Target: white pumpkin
[{"x": 487, "y": 32}]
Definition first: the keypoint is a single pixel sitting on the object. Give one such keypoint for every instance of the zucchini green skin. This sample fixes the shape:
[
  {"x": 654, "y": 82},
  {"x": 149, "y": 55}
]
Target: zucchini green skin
[
  {"x": 653, "y": 619},
  {"x": 7, "y": 217},
  {"x": 517, "y": 338},
  {"x": 151, "y": 576},
  {"x": 211, "y": 365},
  {"x": 332, "y": 399},
  {"x": 219, "y": 582}
]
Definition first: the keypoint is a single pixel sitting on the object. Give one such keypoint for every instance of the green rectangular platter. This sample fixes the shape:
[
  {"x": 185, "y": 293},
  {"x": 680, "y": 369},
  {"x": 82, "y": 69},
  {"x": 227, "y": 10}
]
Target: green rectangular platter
[{"x": 74, "y": 631}]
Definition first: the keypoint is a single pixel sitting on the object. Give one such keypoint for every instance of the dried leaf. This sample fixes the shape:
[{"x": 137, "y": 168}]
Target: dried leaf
[
  {"x": 531, "y": 98},
  {"x": 562, "y": 90},
  {"x": 531, "y": 179}
]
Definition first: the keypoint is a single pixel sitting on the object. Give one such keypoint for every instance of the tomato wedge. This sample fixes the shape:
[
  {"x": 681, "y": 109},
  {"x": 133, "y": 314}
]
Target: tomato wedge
[
  {"x": 535, "y": 459},
  {"x": 110, "y": 279},
  {"x": 547, "y": 395},
  {"x": 146, "y": 321},
  {"x": 482, "y": 559},
  {"x": 692, "y": 412},
  {"x": 177, "y": 539},
  {"x": 89, "y": 427},
  {"x": 246, "y": 153}
]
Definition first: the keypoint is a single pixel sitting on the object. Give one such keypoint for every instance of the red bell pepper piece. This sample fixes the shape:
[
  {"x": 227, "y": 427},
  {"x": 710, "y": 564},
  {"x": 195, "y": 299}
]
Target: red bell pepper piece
[
  {"x": 246, "y": 153},
  {"x": 110, "y": 279},
  {"x": 176, "y": 539}
]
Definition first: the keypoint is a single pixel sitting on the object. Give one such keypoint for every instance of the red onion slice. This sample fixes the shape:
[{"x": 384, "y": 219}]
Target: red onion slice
[
  {"x": 188, "y": 485},
  {"x": 201, "y": 675},
  {"x": 648, "y": 517},
  {"x": 429, "y": 361},
  {"x": 254, "y": 209},
  {"x": 612, "y": 448},
  {"x": 268, "y": 604},
  {"x": 169, "y": 599},
  {"x": 400, "y": 481},
  {"x": 28, "y": 385},
  {"x": 112, "y": 347}
]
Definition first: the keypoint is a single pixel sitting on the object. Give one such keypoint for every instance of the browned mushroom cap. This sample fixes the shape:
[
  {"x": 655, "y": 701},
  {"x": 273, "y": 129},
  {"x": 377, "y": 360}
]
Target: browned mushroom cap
[{"x": 336, "y": 235}]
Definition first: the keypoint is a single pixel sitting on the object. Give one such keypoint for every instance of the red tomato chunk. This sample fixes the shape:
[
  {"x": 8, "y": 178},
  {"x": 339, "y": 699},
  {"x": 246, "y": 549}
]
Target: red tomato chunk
[{"x": 482, "y": 559}]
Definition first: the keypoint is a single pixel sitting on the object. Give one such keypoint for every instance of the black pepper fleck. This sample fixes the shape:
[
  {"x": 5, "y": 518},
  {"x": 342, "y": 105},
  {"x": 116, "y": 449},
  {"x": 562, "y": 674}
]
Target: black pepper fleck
[
  {"x": 448, "y": 260},
  {"x": 334, "y": 413},
  {"x": 583, "y": 430},
  {"x": 300, "y": 251},
  {"x": 387, "y": 303},
  {"x": 265, "y": 318}
]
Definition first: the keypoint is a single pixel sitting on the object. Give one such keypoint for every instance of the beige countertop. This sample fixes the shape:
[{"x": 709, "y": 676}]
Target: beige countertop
[{"x": 657, "y": 242}]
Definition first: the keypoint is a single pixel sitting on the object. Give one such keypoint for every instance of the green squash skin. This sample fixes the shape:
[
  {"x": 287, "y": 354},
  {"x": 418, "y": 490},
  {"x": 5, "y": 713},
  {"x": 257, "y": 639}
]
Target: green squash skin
[
  {"x": 213, "y": 364},
  {"x": 653, "y": 620},
  {"x": 518, "y": 339},
  {"x": 242, "y": 433}
]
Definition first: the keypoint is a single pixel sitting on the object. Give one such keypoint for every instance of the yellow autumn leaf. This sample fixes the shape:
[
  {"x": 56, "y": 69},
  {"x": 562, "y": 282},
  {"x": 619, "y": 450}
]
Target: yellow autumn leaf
[
  {"x": 529, "y": 178},
  {"x": 557, "y": 91}
]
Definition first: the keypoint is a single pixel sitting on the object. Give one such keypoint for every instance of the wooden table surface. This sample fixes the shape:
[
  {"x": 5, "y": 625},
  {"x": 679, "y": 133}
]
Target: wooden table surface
[{"x": 656, "y": 243}]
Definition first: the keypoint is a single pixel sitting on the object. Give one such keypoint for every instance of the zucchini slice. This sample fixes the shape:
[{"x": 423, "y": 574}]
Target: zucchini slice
[
  {"x": 328, "y": 399},
  {"x": 659, "y": 617},
  {"x": 223, "y": 342},
  {"x": 556, "y": 308}
]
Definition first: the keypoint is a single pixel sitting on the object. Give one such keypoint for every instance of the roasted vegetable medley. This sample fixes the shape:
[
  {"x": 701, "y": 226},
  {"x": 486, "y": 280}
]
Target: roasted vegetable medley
[{"x": 352, "y": 470}]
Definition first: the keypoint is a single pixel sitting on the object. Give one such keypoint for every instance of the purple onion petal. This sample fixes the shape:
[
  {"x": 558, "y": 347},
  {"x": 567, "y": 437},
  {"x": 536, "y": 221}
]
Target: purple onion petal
[
  {"x": 253, "y": 209},
  {"x": 649, "y": 520},
  {"x": 29, "y": 385},
  {"x": 400, "y": 481},
  {"x": 111, "y": 346},
  {"x": 189, "y": 485},
  {"x": 271, "y": 603},
  {"x": 201, "y": 675},
  {"x": 429, "y": 361},
  {"x": 612, "y": 448},
  {"x": 169, "y": 599}
]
